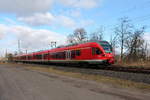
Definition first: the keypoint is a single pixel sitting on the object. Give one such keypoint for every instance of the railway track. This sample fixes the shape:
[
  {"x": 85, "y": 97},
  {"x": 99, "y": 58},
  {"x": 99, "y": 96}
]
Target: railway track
[
  {"x": 137, "y": 70},
  {"x": 128, "y": 69}
]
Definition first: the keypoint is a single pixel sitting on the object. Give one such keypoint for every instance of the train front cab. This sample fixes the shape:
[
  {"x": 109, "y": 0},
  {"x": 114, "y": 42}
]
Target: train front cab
[{"x": 102, "y": 54}]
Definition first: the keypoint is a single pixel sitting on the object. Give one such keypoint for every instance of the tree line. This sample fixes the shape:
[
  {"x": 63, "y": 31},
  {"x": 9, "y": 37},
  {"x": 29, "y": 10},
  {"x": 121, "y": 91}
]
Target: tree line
[{"x": 127, "y": 39}]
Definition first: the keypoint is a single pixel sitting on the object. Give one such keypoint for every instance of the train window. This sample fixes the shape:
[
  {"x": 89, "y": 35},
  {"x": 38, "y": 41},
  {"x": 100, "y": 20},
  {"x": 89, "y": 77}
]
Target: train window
[
  {"x": 53, "y": 55},
  {"x": 63, "y": 55},
  {"x": 29, "y": 57},
  {"x": 38, "y": 56},
  {"x": 72, "y": 54},
  {"x": 45, "y": 55},
  {"x": 96, "y": 51},
  {"x": 106, "y": 46},
  {"x": 58, "y": 55},
  {"x": 23, "y": 57},
  {"x": 78, "y": 52}
]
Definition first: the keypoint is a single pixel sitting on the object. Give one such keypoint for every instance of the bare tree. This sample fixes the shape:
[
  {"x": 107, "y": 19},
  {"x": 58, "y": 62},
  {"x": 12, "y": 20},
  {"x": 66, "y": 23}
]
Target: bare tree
[
  {"x": 123, "y": 32},
  {"x": 98, "y": 34},
  {"x": 136, "y": 45},
  {"x": 113, "y": 41},
  {"x": 70, "y": 39},
  {"x": 78, "y": 35}
]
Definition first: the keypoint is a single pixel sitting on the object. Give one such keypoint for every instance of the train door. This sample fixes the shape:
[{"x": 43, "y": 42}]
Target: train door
[{"x": 68, "y": 54}]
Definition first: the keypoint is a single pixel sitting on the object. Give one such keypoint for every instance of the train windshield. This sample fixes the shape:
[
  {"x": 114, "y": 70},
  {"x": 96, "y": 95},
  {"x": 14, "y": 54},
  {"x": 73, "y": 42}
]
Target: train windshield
[{"x": 106, "y": 46}]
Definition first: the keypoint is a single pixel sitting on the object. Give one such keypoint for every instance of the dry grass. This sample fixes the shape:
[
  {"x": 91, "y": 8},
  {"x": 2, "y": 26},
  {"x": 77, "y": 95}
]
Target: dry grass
[
  {"x": 2, "y": 63},
  {"x": 139, "y": 64},
  {"x": 102, "y": 79}
]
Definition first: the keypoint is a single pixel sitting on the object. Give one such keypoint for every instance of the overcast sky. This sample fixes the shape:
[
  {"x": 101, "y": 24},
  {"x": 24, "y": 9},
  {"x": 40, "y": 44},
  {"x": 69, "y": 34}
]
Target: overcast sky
[{"x": 38, "y": 22}]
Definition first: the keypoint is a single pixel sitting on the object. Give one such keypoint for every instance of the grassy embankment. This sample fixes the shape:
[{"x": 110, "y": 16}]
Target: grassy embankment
[{"x": 139, "y": 64}]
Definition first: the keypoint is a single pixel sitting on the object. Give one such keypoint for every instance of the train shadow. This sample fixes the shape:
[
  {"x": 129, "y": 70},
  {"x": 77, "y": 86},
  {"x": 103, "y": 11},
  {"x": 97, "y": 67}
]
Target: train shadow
[
  {"x": 69, "y": 65},
  {"x": 79, "y": 66}
]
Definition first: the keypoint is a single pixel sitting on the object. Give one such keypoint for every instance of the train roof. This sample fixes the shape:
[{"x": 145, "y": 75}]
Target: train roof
[{"x": 73, "y": 44}]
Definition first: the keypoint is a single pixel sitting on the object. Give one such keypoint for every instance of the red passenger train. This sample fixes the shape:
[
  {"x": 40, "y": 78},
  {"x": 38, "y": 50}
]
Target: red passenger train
[{"x": 92, "y": 52}]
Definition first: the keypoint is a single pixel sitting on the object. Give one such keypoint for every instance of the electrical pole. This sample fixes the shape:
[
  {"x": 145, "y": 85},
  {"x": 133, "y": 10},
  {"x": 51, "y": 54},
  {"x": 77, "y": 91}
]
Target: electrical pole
[
  {"x": 26, "y": 51},
  {"x": 19, "y": 51},
  {"x": 6, "y": 55}
]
